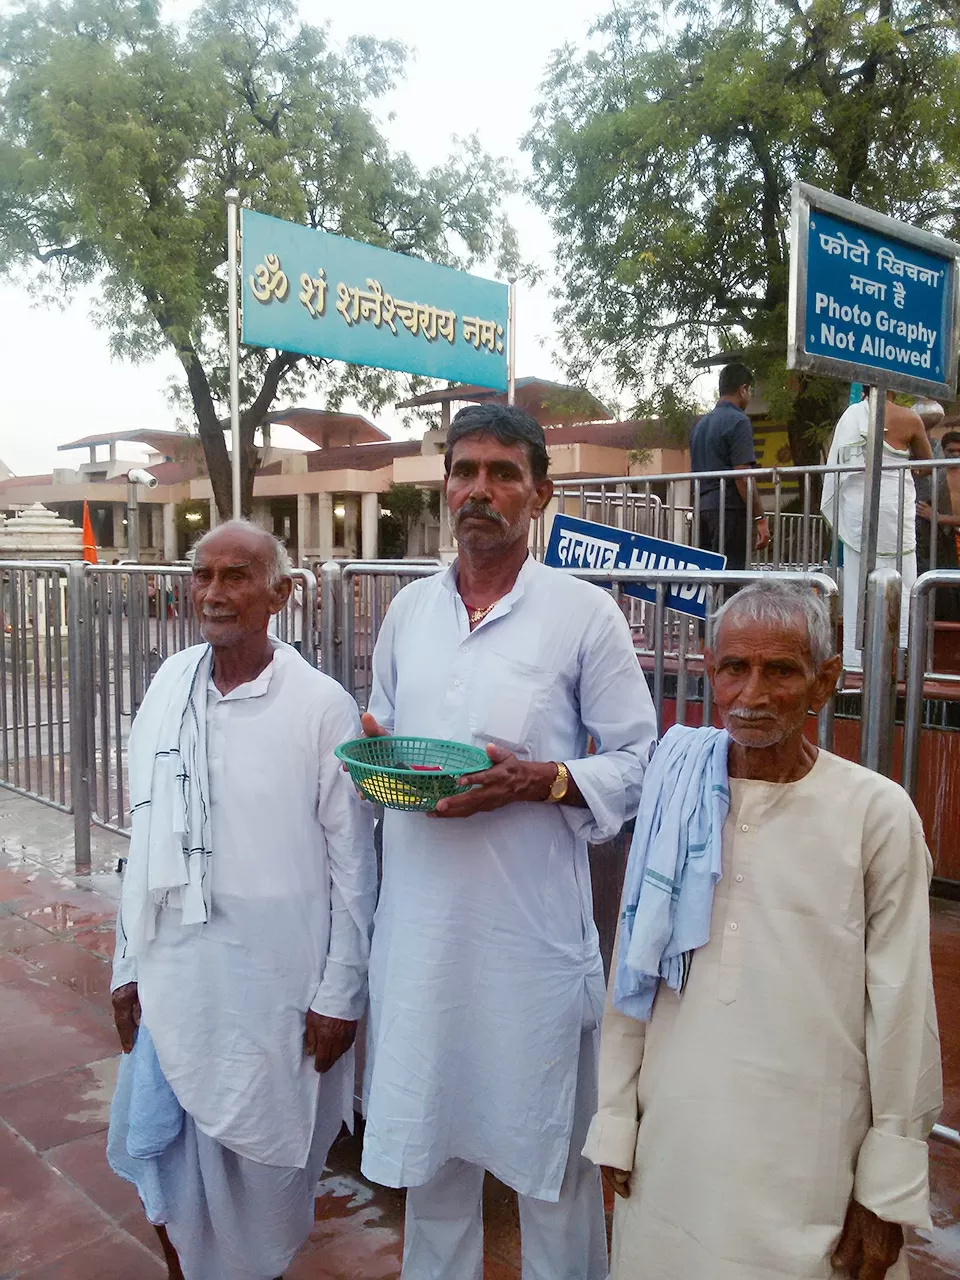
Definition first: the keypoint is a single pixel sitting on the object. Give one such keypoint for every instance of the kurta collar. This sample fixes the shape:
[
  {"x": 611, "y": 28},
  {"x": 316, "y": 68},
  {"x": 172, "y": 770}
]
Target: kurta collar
[
  {"x": 451, "y": 581},
  {"x": 255, "y": 688}
]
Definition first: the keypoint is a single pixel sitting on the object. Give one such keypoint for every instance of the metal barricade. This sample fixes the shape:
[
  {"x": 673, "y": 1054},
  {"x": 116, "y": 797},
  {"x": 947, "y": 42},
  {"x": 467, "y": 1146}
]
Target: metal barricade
[
  {"x": 667, "y": 641},
  {"x": 37, "y": 680},
  {"x": 920, "y": 667},
  {"x": 133, "y": 618},
  {"x": 669, "y": 506},
  {"x": 366, "y": 589}
]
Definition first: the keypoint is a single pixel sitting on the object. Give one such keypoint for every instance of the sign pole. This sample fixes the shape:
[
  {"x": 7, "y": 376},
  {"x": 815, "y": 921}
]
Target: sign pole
[
  {"x": 233, "y": 307},
  {"x": 512, "y": 341},
  {"x": 871, "y": 502}
]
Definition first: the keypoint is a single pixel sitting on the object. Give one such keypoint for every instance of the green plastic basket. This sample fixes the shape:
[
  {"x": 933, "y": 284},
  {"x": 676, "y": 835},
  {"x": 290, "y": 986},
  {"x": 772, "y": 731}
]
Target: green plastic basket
[{"x": 409, "y": 773}]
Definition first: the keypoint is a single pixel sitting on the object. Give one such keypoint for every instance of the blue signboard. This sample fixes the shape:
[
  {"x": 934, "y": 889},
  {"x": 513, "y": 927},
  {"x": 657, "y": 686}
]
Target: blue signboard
[
  {"x": 583, "y": 544},
  {"x": 872, "y": 300},
  {"x": 323, "y": 295},
  {"x": 877, "y": 301}
]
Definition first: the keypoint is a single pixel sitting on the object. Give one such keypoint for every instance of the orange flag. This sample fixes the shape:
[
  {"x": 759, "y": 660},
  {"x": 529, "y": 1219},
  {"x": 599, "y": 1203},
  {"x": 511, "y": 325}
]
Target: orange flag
[{"x": 89, "y": 546}]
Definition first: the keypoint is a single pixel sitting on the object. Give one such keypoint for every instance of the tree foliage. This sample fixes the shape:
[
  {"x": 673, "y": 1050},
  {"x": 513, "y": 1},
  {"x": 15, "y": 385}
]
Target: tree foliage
[
  {"x": 120, "y": 133},
  {"x": 665, "y": 156}
]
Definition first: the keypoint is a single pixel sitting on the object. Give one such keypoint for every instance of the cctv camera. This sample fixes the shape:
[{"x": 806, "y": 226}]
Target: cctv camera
[{"x": 139, "y": 476}]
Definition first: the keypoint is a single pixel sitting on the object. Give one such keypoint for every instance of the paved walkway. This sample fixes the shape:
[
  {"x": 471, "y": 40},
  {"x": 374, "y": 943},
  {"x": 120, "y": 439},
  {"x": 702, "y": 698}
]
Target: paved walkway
[{"x": 65, "y": 1216}]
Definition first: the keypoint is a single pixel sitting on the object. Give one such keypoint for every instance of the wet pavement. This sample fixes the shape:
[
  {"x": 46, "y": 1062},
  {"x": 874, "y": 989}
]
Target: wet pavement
[{"x": 63, "y": 1213}]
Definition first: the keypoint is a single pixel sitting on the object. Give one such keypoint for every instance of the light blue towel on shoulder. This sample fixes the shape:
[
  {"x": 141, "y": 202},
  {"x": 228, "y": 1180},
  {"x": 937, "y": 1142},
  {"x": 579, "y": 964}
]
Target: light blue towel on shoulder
[
  {"x": 145, "y": 1117},
  {"x": 674, "y": 865}
]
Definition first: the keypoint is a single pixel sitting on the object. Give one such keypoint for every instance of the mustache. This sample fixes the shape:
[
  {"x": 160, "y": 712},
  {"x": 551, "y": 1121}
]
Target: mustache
[
  {"x": 480, "y": 510},
  {"x": 744, "y": 713}
]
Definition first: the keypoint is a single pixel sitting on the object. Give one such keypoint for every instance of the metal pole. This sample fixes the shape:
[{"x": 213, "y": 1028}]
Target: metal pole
[
  {"x": 233, "y": 307},
  {"x": 329, "y": 609},
  {"x": 871, "y": 507},
  {"x": 79, "y": 691},
  {"x": 882, "y": 631},
  {"x": 917, "y": 659},
  {"x": 512, "y": 341},
  {"x": 133, "y": 523}
]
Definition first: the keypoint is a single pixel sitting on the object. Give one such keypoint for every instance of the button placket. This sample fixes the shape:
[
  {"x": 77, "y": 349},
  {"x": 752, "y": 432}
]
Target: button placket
[{"x": 731, "y": 950}]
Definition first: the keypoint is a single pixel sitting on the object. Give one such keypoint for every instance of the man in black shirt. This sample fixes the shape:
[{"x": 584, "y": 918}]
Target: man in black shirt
[{"x": 723, "y": 441}]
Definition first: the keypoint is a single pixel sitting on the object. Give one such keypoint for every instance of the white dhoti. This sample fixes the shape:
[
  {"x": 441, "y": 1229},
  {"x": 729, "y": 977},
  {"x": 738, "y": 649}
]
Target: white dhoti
[
  {"x": 560, "y": 1240},
  {"x": 852, "y": 656},
  {"x": 841, "y": 504},
  {"x": 230, "y": 1218}
]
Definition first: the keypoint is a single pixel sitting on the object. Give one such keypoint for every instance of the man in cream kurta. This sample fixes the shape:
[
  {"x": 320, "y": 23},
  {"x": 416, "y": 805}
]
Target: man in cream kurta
[
  {"x": 267, "y": 941},
  {"x": 486, "y": 984},
  {"x": 799, "y": 1071}
]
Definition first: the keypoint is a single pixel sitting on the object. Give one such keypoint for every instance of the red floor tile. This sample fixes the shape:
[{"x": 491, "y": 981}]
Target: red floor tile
[
  {"x": 73, "y": 967},
  {"x": 12, "y": 968},
  {"x": 59, "y": 909},
  {"x": 116, "y": 1257},
  {"x": 951, "y": 1092},
  {"x": 99, "y": 940},
  {"x": 48, "y": 1030},
  {"x": 135, "y": 1224},
  {"x": 84, "y": 1161},
  {"x": 42, "y": 1217},
  {"x": 58, "y": 1108},
  {"x": 501, "y": 1222},
  {"x": 16, "y": 934}
]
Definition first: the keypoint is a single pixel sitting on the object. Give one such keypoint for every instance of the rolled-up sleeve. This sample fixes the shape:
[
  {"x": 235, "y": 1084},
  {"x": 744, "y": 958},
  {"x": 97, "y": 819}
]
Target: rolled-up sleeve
[
  {"x": 612, "y": 1137},
  {"x": 348, "y": 830},
  {"x": 902, "y": 1044},
  {"x": 617, "y": 711}
]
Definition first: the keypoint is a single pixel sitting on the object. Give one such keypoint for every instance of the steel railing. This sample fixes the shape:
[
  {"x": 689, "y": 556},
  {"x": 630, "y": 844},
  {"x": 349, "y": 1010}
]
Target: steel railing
[
  {"x": 80, "y": 645},
  {"x": 669, "y": 506},
  {"x": 920, "y": 666},
  {"x": 363, "y": 591}
]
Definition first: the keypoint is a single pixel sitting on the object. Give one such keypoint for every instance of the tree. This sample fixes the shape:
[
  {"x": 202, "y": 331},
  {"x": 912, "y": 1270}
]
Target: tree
[
  {"x": 665, "y": 156},
  {"x": 119, "y": 135},
  {"x": 406, "y": 504}
]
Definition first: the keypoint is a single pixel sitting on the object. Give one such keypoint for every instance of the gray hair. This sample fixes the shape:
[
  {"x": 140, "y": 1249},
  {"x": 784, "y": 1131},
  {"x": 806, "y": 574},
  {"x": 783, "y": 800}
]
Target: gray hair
[
  {"x": 276, "y": 559},
  {"x": 782, "y": 602}
]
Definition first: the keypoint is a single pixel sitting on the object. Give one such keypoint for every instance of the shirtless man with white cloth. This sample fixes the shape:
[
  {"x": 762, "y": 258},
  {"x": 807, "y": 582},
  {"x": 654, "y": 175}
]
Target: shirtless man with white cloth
[
  {"x": 243, "y": 932},
  {"x": 485, "y": 974},
  {"x": 904, "y": 437}
]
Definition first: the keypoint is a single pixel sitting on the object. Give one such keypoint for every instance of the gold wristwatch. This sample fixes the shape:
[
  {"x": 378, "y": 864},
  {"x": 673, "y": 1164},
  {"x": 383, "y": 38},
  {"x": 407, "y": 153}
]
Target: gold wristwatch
[{"x": 560, "y": 784}]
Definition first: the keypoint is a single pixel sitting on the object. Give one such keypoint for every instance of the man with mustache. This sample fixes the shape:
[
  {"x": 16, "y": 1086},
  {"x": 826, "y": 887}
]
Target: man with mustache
[
  {"x": 243, "y": 931},
  {"x": 486, "y": 983},
  {"x": 770, "y": 1066}
]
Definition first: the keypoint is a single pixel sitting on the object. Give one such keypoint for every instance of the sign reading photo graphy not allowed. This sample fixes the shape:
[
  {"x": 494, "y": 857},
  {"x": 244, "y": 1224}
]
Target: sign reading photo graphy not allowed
[{"x": 872, "y": 299}]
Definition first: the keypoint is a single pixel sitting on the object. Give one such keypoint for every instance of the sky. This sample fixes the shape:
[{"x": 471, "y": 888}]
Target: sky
[{"x": 473, "y": 71}]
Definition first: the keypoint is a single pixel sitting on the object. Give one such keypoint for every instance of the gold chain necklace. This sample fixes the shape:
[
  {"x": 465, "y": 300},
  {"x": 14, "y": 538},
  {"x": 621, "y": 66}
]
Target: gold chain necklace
[{"x": 478, "y": 615}]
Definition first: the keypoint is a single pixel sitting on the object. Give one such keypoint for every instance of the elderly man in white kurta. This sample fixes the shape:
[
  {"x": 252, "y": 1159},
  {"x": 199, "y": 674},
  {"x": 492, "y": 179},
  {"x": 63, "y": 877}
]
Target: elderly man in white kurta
[
  {"x": 768, "y": 1119},
  {"x": 486, "y": 979},
  {"x": 243, "y": 932}
]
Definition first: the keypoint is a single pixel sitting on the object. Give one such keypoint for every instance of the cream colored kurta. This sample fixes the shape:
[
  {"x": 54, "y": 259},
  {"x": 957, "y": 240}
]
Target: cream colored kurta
[{"x": 801, "y": 1065}]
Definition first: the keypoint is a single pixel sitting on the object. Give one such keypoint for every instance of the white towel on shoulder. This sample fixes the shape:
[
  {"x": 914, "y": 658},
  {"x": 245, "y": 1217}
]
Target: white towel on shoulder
[{"x": 169, "y": 794}]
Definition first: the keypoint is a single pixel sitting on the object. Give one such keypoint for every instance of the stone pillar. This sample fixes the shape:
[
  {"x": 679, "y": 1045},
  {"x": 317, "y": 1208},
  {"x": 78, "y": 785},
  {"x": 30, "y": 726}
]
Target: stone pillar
[
  {"x": 448, "y": 547},
  {"x": 370, "y": 525},
  {"x": 351, "y": 521},
  {"x": 120, "y": 539},
  {"x": 303, "y": 527},
  {"x": 262, "y": 514},
  {"x": 325, "y": 526},
  {"x": 214, "y": 514},
  {"x": 169, "y": 532}
]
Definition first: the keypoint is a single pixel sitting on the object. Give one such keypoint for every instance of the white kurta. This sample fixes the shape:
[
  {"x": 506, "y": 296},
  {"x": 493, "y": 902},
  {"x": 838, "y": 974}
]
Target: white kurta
[
  {"x": 485, "y": 966},
  {"x": 293, "y": 889},
  {"x": 801, "y": 1065}
]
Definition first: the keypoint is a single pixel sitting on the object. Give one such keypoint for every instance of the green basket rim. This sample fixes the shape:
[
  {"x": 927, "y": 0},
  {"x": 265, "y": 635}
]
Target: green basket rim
[{"x": 341, "y": 754}]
